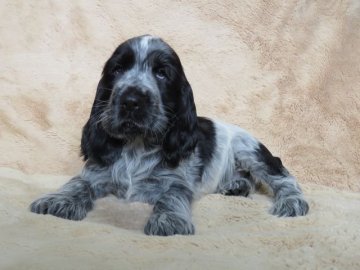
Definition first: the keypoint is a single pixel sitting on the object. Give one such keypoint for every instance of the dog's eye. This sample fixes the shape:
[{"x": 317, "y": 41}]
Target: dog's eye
[
  {"x": 118, "y": 69},
  {"x": 160, "y": 73}
]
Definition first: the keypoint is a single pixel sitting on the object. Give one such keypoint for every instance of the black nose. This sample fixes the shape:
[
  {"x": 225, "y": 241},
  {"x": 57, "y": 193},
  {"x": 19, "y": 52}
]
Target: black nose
[
  {"x": 132, "y": 100},
  {"x": 130, "y": 103}
]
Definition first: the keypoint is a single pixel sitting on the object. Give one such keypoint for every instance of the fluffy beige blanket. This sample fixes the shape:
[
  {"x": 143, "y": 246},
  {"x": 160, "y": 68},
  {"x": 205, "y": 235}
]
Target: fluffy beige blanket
[{"x": 287, "y": 71}]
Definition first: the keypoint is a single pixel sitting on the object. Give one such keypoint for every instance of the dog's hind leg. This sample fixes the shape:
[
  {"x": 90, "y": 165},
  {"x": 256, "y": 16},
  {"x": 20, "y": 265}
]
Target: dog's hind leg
[{"x": 252, "y": 156}]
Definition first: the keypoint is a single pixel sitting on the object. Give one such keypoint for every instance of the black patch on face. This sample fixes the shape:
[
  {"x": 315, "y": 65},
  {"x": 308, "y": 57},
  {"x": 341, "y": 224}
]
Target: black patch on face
[
  {"x": 274, "y": 164},
  {"x": 168, "y": 74},
  {"x": 122, "y": 60}
]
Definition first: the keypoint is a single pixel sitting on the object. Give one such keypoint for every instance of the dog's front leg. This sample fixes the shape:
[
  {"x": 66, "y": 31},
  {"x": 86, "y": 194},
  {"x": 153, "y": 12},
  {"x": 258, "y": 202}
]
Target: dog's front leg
[
  {"x": 172, "y": 212},
  {"x": 71, "y": 201},
  {"x": 74, "y": 199}
]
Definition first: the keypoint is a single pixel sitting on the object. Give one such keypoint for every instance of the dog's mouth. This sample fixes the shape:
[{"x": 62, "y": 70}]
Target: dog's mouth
[
  {"x": 125, "y": 129},
  {"x": 130, "y": 127}
]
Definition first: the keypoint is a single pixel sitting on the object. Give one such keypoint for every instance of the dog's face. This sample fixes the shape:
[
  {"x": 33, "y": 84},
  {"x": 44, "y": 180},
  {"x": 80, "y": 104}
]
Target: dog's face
[
  {"x": 140, "y": 77},
  {"x": 143, "y": 93}
]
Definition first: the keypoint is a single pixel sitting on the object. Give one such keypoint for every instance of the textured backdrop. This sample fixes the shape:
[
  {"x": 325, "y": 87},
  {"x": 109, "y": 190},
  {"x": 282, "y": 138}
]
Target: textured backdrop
[{"x": 287, "y": 71}]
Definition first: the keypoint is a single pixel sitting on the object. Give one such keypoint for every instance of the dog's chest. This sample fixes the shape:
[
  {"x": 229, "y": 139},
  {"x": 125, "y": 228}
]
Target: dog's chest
[{"x": 135, "y": 164}]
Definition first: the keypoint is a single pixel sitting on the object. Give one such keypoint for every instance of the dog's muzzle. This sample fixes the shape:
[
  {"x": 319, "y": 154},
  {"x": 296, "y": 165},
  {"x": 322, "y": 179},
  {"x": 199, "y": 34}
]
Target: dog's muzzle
[{"x": 134, "y": 106}]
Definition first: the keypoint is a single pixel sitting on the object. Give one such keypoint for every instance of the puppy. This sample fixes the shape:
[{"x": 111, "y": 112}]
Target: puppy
[{"x": 144, "y": 142}]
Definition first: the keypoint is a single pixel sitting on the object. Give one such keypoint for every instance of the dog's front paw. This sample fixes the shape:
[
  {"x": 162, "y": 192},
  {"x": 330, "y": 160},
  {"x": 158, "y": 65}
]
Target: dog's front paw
[
  {"x": 291, "y": 206},
  {"x": 165, "y": 224},
  {"x": 62, "y": 206}
]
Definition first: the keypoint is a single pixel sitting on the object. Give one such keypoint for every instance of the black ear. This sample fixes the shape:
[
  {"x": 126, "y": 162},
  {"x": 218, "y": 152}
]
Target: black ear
[
  {"x": 96, "y": 144},
  {"x": 181, "y": 137}
]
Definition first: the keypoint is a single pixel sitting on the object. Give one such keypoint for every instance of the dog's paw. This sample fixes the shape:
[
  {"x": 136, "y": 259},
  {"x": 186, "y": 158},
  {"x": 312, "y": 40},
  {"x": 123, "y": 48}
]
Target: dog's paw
[
  {"x": 165, "y": 224},
  {"x": 291, "y": 206},
  {"x": 238, "y": 187},
  {"x": 62, "y": 206}
]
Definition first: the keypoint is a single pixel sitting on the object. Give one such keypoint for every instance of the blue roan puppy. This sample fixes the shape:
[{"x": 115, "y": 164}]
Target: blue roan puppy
[{"x": 144, "y": 142}]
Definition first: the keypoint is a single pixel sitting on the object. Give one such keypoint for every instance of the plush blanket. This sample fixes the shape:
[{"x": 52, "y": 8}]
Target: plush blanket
[{"x": 287, "y": 71}]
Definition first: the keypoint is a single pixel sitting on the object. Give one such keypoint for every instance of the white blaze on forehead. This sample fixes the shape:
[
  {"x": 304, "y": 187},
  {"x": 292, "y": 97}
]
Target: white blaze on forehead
[
  {"x": 144, "y": 42},
  {"x": 144, "y": 45},
  {"x": 140, "y": 74}
]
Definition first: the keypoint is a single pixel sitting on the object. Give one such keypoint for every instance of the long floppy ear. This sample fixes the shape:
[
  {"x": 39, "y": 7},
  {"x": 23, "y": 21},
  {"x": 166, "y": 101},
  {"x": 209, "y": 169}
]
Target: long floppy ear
[
  {"x": 96, "y": 144},
  {"x": 181, "y": 137}
]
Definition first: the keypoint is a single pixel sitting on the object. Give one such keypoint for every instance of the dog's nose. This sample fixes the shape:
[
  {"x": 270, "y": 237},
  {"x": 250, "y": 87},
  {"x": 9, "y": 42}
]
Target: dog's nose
[
  {"x": 132, "y": 100},
  {"x": 130, "y": 103}
]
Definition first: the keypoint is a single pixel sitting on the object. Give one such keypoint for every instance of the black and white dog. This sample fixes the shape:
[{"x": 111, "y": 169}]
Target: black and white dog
[{"x": 144, "y": 142}]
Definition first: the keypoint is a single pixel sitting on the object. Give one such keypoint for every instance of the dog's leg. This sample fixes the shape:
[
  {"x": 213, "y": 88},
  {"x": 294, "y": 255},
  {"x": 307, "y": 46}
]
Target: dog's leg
[
  {"x": 76, "y": 198},
  {"x": 172, "y": 212},
  {"x": 266, "y": 168}
]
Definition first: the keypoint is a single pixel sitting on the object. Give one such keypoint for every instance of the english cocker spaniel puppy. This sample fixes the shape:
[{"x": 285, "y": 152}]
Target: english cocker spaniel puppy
[{"x": 144, "y": 142}]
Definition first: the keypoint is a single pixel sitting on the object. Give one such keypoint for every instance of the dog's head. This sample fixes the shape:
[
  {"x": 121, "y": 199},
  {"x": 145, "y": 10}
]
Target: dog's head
[{"x": 143, "y": 93}]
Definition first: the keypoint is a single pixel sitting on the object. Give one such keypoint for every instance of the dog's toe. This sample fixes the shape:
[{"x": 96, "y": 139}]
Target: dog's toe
[
  {"x": 165, "y": 224},
  {"x": 291, "y": 206}
]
